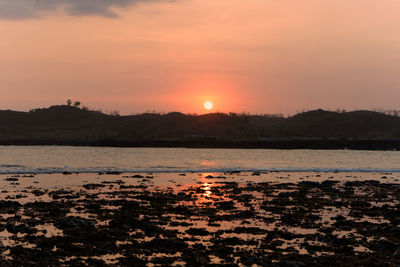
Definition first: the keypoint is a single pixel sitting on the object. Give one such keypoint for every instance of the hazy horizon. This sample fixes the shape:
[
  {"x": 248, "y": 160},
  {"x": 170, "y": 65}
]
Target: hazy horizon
[{"x": 256, "y": 56}]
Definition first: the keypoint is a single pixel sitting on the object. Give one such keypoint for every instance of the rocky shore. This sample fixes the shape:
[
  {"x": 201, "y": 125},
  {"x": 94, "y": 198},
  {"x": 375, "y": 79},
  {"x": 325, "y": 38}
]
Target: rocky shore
[{"x": 231, "y": 219}]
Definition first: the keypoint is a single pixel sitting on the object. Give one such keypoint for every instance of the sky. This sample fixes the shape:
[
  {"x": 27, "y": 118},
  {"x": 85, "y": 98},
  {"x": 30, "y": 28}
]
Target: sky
[{"x": 256, "y": 56}]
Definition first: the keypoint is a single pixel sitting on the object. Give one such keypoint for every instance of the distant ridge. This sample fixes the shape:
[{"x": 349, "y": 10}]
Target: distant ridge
[{"x": 71, "y": 125}]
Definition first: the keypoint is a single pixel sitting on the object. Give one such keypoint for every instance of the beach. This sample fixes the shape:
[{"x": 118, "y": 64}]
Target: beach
[{"x": 200, "y": 219}]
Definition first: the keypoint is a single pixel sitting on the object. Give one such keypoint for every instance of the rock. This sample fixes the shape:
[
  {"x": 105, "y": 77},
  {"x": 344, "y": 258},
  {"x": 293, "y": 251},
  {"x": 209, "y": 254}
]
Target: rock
[
  {"x": 9, "y": 204},
  {"x": 137, "y": 176},
  {"x": 339, "y": 218},
  {"x": 93, "y": 186},
  {"x": 198, "y": 231},
  {"x": 11, "y": 179},
  {"x": 288, "y": 264},
  {"x": 225, "y": 205},
  {"x": 73, "y": 223},
  {"x": 20, "y": 228}
]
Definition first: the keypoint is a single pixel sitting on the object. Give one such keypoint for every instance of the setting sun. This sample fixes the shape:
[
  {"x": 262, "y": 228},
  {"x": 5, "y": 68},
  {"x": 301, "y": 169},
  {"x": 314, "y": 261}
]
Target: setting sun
[{"x": 208, "y": 105}]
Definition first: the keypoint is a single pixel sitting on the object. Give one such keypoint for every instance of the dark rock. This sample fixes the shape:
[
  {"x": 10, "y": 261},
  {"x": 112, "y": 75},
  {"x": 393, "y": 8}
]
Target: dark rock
[
  {"x": 11, "y": 179},
  {"x": 73, "y": 223},
  {"x": 288, "y": 264},
  {"x": 9, "y": 204},
  {"x": 93, "y": 186},
  {"x": 198, "y": 231}
]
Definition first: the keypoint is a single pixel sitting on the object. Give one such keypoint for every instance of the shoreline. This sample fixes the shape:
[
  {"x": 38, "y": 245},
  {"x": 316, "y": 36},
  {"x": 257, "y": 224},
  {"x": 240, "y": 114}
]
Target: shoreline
[
  {"x": 168, "y": 179},
  {"x": 245, "y": 172}
]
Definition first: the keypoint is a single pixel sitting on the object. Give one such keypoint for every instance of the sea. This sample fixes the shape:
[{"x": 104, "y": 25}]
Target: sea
[{"x": 60, "y": 159}]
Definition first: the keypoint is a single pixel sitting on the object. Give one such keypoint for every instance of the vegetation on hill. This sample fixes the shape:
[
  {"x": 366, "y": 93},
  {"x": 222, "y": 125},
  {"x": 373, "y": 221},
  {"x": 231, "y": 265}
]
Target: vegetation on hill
[{"x": 72, "y": 123}]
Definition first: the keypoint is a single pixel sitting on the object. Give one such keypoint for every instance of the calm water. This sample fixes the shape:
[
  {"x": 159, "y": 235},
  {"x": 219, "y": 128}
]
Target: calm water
[{"x": 56, "y": 159}]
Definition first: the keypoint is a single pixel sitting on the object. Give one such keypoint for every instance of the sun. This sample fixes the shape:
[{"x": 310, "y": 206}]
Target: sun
[{"x": 208, "y": 105}]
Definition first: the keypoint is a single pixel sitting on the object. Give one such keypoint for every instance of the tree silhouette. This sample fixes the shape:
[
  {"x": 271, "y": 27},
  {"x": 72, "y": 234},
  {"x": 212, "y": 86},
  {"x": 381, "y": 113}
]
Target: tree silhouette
[
  {"x": 69, "y": 102},
  {"x": 77, "y": 104}
]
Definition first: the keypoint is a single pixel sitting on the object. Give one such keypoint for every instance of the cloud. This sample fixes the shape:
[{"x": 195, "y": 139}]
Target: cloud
[{"x": 27, "y": 9}]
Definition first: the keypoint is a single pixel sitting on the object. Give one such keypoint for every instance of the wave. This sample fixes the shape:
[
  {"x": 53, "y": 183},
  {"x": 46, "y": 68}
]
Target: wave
[
  {"x": 15, "y": 169},
  {"x": 11, "y": 166}
]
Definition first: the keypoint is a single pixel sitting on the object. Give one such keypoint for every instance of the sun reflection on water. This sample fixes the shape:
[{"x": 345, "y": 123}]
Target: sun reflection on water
[
  {"x": 206, "y": 179},
  {"x": 206, "y": 187}
]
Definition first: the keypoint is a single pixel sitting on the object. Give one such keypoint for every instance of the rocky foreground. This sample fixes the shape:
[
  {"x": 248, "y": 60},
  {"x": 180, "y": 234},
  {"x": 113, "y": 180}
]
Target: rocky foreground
[{"x": 218, "y": 222}]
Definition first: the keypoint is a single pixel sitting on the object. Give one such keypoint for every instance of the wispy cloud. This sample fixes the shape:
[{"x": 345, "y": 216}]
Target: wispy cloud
[{"x": 27, "y": 9}]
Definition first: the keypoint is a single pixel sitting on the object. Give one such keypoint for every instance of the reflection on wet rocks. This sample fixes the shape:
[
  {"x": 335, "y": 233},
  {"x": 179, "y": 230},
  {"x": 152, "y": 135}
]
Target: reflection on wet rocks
[{"x": 114, "y": 222}]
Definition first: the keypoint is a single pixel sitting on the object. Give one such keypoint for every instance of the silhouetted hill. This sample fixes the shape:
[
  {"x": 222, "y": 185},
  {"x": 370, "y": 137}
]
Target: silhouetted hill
[
  {"x": 72, "y": 125},
  {"x": 356, "y": 124}
]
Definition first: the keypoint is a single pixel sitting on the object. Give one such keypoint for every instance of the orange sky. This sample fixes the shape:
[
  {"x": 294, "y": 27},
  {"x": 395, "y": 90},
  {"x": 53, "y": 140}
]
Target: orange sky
[{"x": 258, "y": 56}]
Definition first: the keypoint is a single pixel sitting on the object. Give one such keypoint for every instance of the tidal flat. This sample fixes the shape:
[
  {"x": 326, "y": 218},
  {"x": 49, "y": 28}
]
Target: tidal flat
[{"x": 200, "y": 219}]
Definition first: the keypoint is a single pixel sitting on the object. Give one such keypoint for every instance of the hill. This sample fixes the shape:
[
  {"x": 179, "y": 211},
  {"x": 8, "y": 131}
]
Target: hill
[{"x": 71, "y": 125}]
